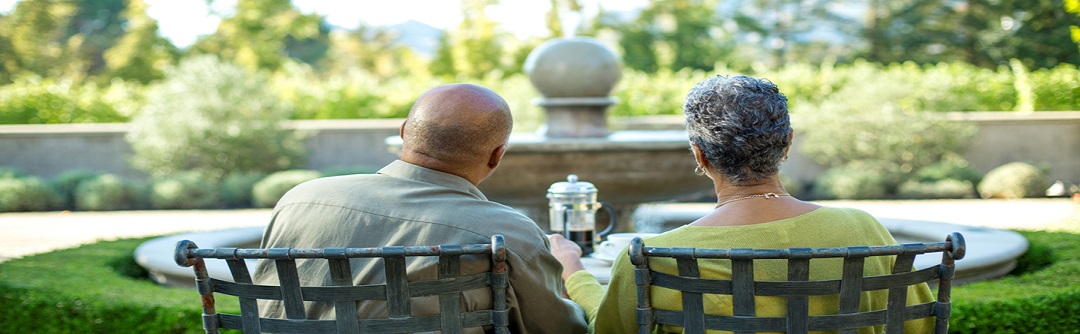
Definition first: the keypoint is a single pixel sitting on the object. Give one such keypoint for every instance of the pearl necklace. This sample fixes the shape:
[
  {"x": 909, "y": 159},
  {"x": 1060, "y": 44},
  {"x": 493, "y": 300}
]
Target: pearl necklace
[{"x": 767, "y": 195}]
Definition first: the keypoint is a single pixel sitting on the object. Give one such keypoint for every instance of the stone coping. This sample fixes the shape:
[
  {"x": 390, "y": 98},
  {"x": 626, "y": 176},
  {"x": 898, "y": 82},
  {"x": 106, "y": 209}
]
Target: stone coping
[{"x": 990, "y": 252}]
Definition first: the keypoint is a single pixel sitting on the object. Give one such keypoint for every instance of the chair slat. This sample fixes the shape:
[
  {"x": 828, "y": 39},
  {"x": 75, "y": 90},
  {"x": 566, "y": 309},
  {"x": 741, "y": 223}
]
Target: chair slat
[
  {"x": 450, "y": 302},
  {"x": 894, "y": 323},
  {"x": 397, "y": 283},
  {"x": 693, "y": 304},
  {"x": 291, "y": 296},
  {"x": 249, "y": 307},
  {"x": 341, "y": 275},
  {"x": 798, "y": 306}
]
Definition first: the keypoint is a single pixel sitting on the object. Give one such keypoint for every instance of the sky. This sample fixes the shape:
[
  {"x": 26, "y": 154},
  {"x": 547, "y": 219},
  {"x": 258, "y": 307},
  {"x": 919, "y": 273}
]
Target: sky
[{"x": 182, "y": 21}]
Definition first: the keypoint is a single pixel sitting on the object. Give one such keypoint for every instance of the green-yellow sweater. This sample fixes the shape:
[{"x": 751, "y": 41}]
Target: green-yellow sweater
[{"x": 614, "y": 310}]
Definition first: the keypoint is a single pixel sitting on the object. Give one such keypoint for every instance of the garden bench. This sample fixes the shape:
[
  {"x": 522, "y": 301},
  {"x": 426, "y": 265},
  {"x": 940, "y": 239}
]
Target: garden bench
[
  {"x": 743, "y": 288},
  {"x": 344, "y": 294}
]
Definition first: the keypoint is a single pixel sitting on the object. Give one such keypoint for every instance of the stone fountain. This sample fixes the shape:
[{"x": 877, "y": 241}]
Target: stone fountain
[{"x": 575, "y": 76}]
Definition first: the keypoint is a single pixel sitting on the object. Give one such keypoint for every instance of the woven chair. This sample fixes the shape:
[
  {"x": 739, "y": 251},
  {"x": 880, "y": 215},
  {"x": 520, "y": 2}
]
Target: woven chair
[
  {"x": 344, "y": 295},
  {"x": 743, "y": 288}
]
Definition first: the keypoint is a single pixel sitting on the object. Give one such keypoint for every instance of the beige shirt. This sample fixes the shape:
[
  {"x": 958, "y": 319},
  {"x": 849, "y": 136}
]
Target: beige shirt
[{"x": 408, "y": 205}]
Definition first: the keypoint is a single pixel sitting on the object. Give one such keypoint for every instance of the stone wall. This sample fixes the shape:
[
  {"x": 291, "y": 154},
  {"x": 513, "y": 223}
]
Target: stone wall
[{"x": 1051, "y": 138}]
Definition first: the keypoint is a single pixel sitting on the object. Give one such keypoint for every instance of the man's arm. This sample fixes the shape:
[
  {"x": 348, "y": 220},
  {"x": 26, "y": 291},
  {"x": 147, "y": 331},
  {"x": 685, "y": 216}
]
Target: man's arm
[{"x": 535, "y": 291}]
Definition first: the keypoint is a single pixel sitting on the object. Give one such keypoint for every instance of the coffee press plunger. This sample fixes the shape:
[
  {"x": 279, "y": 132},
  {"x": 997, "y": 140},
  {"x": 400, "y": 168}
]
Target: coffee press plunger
[{"x": 572, "y": 210}]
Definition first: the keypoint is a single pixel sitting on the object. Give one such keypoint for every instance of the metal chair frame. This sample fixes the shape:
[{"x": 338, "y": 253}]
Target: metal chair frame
[
  {"x": 344, "y": 294},
  {"x": 797, "y": 289}
]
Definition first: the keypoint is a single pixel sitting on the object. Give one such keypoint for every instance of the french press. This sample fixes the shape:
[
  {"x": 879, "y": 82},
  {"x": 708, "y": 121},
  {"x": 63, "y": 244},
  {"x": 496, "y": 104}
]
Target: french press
[{"x": 572, "y": 208}]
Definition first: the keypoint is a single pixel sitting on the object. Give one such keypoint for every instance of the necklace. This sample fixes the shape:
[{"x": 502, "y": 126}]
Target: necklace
[{"x": 767, "y": 195}]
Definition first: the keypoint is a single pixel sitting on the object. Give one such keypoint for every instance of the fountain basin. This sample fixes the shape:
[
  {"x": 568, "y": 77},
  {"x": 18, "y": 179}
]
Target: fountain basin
[
  {"x": 990, "y": 252},
  {"x": 627, "y": 167}
]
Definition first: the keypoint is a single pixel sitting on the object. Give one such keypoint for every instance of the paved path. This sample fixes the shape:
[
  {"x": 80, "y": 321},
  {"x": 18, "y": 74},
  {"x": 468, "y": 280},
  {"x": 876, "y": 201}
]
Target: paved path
[{"x": 23, "y": 234}]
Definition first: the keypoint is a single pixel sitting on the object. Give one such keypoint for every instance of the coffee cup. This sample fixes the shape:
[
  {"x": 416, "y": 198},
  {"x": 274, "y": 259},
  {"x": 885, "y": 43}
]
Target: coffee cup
[{"x": 617, "y": 243}]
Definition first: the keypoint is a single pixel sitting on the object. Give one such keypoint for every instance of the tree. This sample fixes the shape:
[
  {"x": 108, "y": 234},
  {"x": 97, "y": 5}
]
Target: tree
[
  {"x": 35, "y": 31},
  {"x": 986, "y": 33},
  {"x": 674, "y": 35},
  {"x": 443, "y": 62},
  {"x": 374, "y": 50},
  {"x": 476, "y": 47},
  {"x": 141, "y": 54},
  {"x": 256, "y": 35},
  {"x": 784, "y": 29}
]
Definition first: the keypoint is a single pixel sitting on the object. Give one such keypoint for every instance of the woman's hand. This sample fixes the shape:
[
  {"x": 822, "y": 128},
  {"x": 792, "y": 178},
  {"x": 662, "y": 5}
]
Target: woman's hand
[{"x": 567, "y": 252}]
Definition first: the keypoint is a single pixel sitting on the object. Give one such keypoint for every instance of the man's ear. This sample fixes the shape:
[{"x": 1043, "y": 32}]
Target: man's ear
[
  {"x": 401, "y": 130},
  {"x": 496, "y": 156}
]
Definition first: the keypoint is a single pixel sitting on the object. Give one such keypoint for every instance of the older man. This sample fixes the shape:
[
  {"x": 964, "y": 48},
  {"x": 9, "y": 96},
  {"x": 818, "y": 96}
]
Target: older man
[{"x": 453, "y": 139}]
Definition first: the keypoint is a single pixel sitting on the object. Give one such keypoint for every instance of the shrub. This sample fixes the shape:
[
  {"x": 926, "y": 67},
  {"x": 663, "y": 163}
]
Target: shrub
[
  {"x": 183, "y": 191},
  {"x": 54, "y": 286},
  {"x": 937, "y": 189},
  {"x": 107, "y": 192},
  {"x": 32, "y": 100},
  {"x": 1042, "y": 299},
  {"x": 11, "y": 173},
  {"x": 269, "y": 190},
  {"x": 26, "y": 194},
  {"x": 236, "y": 188},
  {"x": 950, "y": 169},
  {"x": 850, "y": 183},
  {"x": 65, "y": 184},
  {"x": 213, "y": 118},
  {"x": 1014, "y": 180},
  {"x": 878, "y": 117}
]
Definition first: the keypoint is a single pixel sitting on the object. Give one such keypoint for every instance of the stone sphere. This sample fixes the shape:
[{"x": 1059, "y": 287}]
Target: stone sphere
[{"x": 573, "y": 67}]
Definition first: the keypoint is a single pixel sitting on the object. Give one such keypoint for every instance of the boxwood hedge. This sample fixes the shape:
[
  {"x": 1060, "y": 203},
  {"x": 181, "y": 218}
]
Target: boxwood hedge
[{"x": 98, "y": 288}]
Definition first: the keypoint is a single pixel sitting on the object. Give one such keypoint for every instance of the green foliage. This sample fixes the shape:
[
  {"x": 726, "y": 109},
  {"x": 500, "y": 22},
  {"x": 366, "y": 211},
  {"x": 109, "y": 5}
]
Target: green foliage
[
  {"x": 186, "y": 190},
  {"x": 1042, "y": 298},
  {"x": 269, "y": 190},
  {"x": 1014, "y": 180},
  {"x": 54, "y": 286},
  {"x": 1057, "y": 88},
  {"x": 347, "y": 95},
  {"x": 950, "y": 169},
  {"x": 236, "y": 189},
  {"x": 65, "y": 184},
  {"x": 108, "y": 192},
  {"x": 140, "y": 54},
  {"x": 26, "y": 194},
  {"x": 947, "y": 188},
  {"x": 255, "y": 36},
  {"x": 878, "y": 117},
  {"x": 213, "y": 118},
  {"x": 32, "y": 100},
  {"x": 851, "y": 183}
]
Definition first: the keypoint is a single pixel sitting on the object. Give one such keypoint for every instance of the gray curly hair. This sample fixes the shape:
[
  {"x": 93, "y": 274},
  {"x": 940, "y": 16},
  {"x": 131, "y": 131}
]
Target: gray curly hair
[{"x": 741, "y": 125}]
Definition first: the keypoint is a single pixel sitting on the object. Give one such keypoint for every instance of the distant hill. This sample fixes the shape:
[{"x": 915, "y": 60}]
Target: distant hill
[{"x": 422, "y": 38}]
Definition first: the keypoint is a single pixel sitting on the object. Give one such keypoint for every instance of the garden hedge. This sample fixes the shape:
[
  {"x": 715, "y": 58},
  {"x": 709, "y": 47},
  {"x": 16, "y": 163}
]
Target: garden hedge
[{"x": 98, "y": 288}]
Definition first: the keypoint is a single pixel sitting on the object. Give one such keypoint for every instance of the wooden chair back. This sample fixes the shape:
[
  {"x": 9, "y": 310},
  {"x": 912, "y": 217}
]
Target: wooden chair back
[
  {"x": 344, "y": 295},
  {"x": 742, "y": 287}
]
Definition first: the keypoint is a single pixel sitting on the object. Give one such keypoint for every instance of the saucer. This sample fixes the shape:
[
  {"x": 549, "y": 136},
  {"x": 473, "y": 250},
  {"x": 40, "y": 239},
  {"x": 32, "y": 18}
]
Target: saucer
[{"x": 602, "y": 257}]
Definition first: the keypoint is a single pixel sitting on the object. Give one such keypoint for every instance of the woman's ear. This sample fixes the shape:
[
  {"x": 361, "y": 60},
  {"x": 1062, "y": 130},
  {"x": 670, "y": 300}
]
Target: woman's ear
[{"x": 699, "y": 156}]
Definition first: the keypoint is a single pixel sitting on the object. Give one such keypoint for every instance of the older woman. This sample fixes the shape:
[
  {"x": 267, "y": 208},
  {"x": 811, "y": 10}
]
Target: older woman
[{"x": 740, "y": 133}]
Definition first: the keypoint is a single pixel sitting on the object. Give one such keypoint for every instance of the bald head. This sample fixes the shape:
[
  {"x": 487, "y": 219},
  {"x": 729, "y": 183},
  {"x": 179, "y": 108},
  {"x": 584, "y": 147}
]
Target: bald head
[{"x": 456, "y": 125}]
